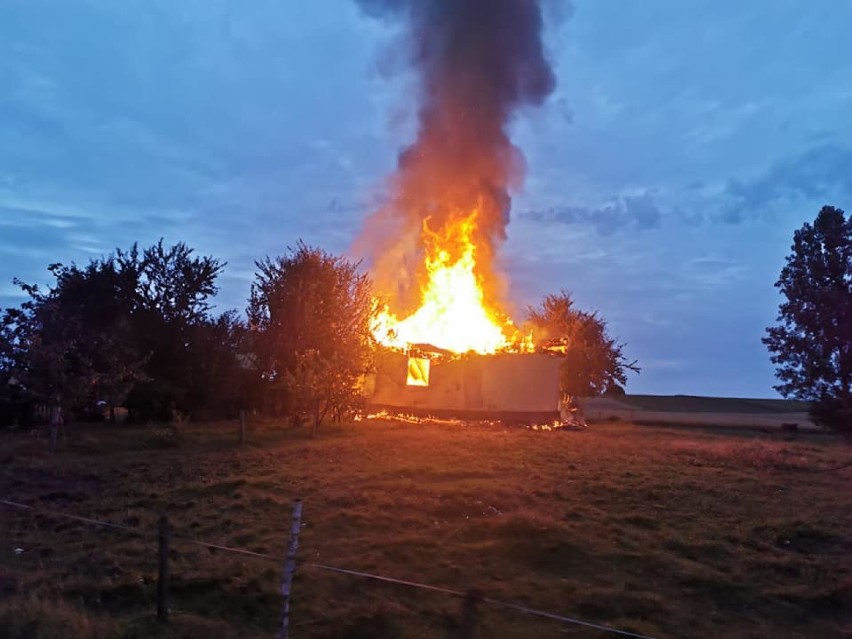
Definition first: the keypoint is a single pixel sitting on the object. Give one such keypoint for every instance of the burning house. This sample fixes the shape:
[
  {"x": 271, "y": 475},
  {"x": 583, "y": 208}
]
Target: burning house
[
  {"x": 506, "y": 386},
  {"x": 434, "y": 244}
]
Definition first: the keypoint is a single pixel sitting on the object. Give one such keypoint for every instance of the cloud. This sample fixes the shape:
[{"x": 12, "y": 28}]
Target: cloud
[
  {"x": 713, "y": 273},
  {"x": 795, "y": 186},
  {"x": 637, "y": 212},
  {"x": 822, "y": 173}
]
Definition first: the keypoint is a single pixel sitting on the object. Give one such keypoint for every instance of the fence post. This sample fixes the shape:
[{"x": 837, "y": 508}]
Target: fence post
[
  {"x": 163, "y": 573},
  {"x": 469, "y": 627},
  {"x": 55, "y": 423},
  {"x": 290, "y": 568},
  {"x": 242, "y": 426}
]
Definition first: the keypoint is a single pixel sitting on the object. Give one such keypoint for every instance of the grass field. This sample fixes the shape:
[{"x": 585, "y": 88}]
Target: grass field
[
  {"x": 697, "y": 404},
  {"x": 710, "y": 412},
  {"x": 669, "y": 533}
]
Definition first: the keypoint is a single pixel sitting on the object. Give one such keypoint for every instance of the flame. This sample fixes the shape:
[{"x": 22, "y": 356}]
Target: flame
[{"x": 453, "y": 313}]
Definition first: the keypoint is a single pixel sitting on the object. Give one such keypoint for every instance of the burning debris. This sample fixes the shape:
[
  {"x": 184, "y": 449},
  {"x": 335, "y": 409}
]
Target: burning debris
[{"x": 419, "y": 419}]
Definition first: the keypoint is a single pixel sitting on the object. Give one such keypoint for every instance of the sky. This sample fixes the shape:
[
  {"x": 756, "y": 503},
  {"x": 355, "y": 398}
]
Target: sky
[{"x": 684, "y": 144}]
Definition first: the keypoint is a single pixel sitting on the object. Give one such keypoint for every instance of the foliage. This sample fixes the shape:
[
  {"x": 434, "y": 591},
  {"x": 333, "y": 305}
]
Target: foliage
[
  {"x": 171, "y": 310},
  {"x": 812, "y": 342},
  {"x": 219, "y": 383},
  {"x": 594, "y": 362},
  {"x": 132, "y": 328},
  {"x": 310, "y": 315},
  {"x": 74, "y": 342}
]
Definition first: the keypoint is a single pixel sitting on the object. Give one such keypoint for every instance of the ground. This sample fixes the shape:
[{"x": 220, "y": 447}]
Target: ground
[{"x": 664, "y": 532}]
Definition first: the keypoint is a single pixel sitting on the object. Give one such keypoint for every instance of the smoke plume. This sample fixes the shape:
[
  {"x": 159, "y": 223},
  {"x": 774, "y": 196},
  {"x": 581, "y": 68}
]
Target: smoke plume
[{"x": 477, "y": 62}]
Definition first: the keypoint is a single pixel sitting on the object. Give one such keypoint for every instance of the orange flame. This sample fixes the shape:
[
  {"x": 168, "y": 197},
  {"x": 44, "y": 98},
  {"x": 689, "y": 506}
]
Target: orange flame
[{"x": 453, "y": 313}]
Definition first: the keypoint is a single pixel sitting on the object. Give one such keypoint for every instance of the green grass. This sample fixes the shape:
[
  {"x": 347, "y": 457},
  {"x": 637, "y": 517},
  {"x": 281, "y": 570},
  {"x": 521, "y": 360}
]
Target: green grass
[{"x": 669, "y": 533}]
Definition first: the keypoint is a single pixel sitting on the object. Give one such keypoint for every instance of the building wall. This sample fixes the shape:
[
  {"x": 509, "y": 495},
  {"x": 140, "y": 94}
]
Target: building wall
[{"x": 487, "y": 384}]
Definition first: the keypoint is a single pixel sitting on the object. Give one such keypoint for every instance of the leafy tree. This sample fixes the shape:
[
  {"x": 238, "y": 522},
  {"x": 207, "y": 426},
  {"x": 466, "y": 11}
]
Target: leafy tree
[
  {"x": 594, "y": 362},
  {"x": 812, "y": 342},
  {"x": 171, "y": 310},
  {"x": 172, "y": 283},
  {"x": 16, "y": 404},
  {"x": 73, "y": 343},
  {"x": 132, "y": 328},
  {"x": 310, "y": 315},
  {"x": 219, "y": 381}
]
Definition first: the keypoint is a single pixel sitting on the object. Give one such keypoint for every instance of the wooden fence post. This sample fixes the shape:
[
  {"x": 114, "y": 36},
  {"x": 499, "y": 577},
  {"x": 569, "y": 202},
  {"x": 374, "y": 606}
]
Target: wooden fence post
[
  {"x": 242, "y": 426},
  {"x": 55, "y": 423},
  {"x": 163, "y": 572},
  {"x": 469, "y": 627},
  {"x": 290, "y": 568}
]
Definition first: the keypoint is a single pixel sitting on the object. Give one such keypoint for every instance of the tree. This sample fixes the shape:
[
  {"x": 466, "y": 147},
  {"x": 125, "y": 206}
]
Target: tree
[
  {"x": 218, "y": 381},
  {"x": 171, "y": 310},
  {"x": 594, "y": 362},
  {"x": 310, "y": 315},
  {"x": 73, "y": 344},
  {"x": 132, "y": 328},
  {"x": 812, "y": 343},
  {"x": 16, "y": 404}
]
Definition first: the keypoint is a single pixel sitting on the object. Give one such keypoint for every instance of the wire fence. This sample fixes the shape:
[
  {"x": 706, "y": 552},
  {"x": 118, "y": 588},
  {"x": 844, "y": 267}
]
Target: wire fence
[{"x": 164, "y": 534}]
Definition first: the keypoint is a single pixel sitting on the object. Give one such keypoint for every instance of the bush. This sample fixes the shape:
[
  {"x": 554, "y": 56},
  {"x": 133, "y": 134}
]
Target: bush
[{"x": 150, "y": 401}]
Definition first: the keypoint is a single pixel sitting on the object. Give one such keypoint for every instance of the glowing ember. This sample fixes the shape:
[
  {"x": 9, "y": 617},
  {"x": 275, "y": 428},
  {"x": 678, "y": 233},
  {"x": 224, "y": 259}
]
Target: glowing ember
[{"x": 453, "y": 314}]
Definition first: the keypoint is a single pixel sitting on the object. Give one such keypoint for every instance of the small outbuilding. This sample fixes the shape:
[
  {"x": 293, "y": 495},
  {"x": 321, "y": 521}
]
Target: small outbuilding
[{"x": 507, "y": 386}]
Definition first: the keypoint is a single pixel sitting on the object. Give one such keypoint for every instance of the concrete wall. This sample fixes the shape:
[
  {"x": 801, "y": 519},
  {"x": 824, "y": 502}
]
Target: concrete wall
[{"x": 477, "y": 384}]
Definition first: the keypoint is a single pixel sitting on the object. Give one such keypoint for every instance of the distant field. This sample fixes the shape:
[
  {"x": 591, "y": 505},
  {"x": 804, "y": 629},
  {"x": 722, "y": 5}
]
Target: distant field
[
  {"x": 670, "y": 533},
  {"x": 693, "y": 404},
  {"x": 684, "y": 410}
]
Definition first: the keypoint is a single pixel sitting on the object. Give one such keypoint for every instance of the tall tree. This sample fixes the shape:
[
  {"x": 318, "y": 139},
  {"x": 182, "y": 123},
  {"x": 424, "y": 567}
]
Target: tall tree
[
  {"x": 594, "y": 362},
  {"x": 173, "y": 288},
  {"x": 812, "y": 342},
  {"x": 310, "y": 315}
]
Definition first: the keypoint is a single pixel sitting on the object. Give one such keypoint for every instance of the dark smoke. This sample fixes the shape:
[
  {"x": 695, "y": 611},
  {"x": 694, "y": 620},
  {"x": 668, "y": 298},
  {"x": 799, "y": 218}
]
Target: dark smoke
[{"x": 478, "y": 62}]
